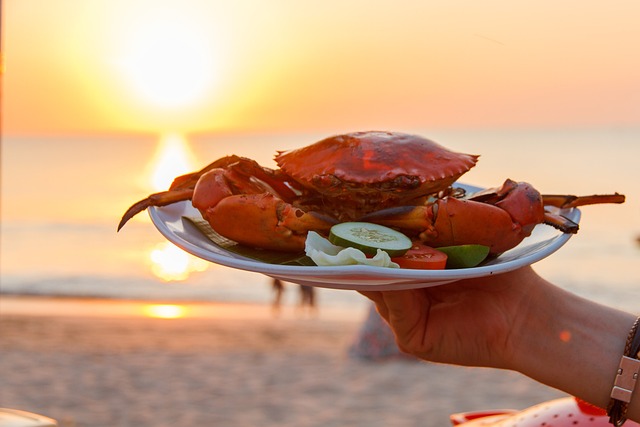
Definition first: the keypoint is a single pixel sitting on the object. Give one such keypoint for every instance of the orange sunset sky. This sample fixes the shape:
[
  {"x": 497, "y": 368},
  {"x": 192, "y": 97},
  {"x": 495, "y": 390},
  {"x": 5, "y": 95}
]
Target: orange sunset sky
[{"x": 287, "y": 65}]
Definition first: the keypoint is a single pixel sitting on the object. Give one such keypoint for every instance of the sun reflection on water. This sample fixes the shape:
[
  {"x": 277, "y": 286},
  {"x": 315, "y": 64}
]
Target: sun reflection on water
[
  {"x": 171, "y": 263},
  {"x": 165, "y": 311},
  {"x": 173, "y": 158}
]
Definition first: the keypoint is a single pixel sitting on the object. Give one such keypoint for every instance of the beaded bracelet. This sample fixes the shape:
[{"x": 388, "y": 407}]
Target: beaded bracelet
[{"x": 626, "y": 377}]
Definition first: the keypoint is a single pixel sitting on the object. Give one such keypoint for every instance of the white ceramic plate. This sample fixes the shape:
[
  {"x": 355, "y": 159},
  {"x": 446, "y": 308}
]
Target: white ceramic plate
[{"x": 544, "y": 241}]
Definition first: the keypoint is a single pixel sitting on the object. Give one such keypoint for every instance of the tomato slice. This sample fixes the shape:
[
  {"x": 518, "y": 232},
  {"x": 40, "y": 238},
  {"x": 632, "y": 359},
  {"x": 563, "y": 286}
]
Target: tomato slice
[{"x": 421, "y": 256}]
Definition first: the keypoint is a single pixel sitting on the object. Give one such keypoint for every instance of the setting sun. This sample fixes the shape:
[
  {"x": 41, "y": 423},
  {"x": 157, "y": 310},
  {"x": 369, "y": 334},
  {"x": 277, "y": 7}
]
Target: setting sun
[
  {"x": 168, "y": 63},
  {"x": 202, "y": 66}
]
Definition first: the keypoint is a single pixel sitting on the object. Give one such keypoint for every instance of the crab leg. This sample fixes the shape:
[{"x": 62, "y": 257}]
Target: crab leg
[
  {"x": 181, "y": 189},
  {"x": 563, "y": 223},
  {"x": 163, "y": 198},
  {"x": 562, "y": 202},
  {"x": 183, "y": 186},
  {"x": 190, "y": 180}
]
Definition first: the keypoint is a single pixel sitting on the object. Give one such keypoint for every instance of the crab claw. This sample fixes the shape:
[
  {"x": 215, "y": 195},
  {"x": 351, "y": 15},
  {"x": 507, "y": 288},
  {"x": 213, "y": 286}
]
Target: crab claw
[
  {"x": 264, "y": 221},
  {"x": 450, "y": 221}
]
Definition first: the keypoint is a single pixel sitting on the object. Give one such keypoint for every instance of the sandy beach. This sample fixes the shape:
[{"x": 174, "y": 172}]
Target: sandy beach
[{"x": 242, "y": 367}]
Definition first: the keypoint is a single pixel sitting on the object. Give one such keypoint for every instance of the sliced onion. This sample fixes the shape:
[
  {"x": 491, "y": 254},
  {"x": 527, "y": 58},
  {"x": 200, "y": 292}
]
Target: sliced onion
[{"x": 325, "y": 253}]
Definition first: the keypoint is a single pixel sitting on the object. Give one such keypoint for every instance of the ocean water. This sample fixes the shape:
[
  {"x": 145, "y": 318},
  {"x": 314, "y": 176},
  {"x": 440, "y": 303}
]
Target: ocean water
[{"x": 62, "y": 198}]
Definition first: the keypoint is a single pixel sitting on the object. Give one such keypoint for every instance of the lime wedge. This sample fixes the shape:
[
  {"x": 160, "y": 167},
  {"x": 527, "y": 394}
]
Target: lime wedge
[
  {"x": 369, "y": 238},
  {"x": 464, "y": 256}
]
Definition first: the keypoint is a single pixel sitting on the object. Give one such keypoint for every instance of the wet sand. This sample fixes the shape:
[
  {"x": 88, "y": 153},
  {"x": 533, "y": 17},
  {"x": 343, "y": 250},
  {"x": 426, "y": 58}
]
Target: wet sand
[{"x": 107, "y": 365}]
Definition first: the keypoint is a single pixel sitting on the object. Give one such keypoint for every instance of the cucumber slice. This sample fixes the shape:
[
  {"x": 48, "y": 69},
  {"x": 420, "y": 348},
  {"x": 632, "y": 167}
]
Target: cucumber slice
[
  {"x": 369, "y": 238},
  {"x": 464, "y": 256}
]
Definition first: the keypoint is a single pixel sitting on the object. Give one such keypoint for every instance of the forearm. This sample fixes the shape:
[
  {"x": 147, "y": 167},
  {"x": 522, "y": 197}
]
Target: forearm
[{"x": 572, "y": 344}]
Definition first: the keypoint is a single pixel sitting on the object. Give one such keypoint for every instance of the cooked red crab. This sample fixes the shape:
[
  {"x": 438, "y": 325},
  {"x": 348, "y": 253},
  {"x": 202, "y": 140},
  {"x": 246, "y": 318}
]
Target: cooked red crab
[{"x": 395, "y": 179}]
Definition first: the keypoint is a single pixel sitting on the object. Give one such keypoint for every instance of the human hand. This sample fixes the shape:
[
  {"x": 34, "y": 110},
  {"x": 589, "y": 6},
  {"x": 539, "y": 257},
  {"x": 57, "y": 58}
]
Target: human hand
[
  {"x": 468, "y": 322},
  {"x": 517, "y": 321}
]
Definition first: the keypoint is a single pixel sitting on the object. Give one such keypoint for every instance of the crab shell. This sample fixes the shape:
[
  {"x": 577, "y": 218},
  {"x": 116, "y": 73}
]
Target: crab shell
[{"x": 378, "y": 165}]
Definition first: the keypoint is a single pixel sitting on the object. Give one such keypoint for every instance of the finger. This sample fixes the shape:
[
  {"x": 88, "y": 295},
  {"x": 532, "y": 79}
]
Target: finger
[
  {"x": 407, "y": 310},
  {"x": 378, "y": 299}
]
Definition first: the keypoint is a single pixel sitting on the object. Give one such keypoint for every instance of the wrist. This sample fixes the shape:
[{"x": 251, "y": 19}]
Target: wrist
[{"x": 570, "y": 343}]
